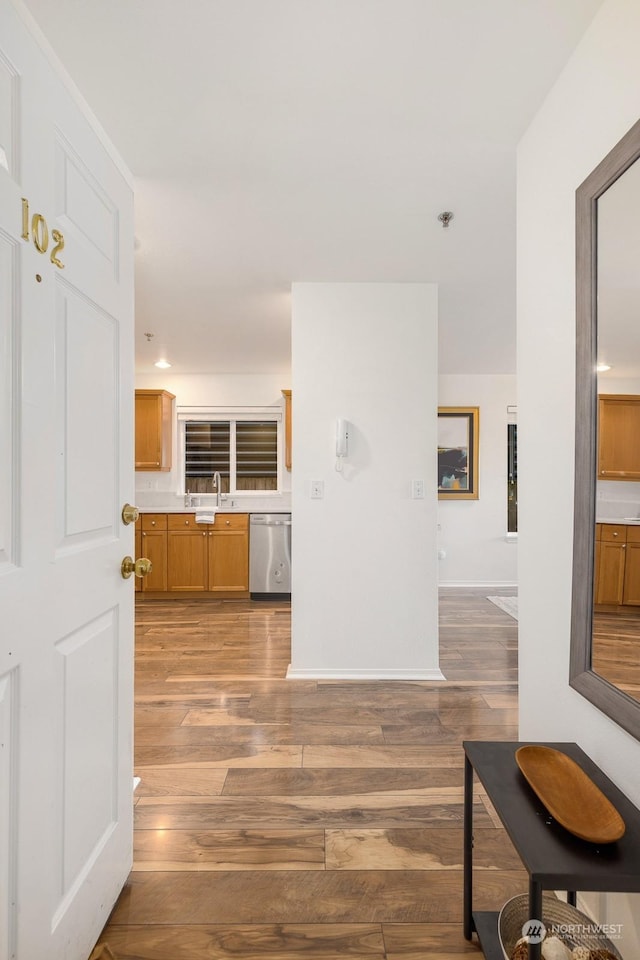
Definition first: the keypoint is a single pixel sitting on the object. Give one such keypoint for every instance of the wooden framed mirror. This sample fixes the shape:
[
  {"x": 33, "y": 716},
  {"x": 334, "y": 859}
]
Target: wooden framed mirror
[{"x": 607, "y": 230}]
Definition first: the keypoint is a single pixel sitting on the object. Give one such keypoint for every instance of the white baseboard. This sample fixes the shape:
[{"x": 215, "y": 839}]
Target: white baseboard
[
  {"x": 355, "y": 674},
  {"x": 482, "y": 584}
]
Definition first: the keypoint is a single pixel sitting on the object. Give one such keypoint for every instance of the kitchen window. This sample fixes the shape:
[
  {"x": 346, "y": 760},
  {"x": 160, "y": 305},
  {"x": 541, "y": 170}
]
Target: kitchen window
[{"x": 244, "y": 446}]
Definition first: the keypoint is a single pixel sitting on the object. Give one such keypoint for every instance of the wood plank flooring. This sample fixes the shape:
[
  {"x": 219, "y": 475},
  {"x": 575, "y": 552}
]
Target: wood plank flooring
[
  {"x": 301, "y": 819},
  {"x": 615, "y": 648}
]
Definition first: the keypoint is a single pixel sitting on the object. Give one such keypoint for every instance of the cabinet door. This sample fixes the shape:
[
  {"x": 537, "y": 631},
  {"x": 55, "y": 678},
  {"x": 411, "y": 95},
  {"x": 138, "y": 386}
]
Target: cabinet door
[
  {"x": 138, "y": 553},
  {"x": 229, "y": 553},
  {"x": 618, "y": 432},
  {"x": 611, "y": 572},
  {"x": 154, "y": 548},
  {"x": 631, "y": 593},
  {"x": 186, "y": 560},
  {"x": 287, "y": 428},
  {"x": 153, "y": 430}
]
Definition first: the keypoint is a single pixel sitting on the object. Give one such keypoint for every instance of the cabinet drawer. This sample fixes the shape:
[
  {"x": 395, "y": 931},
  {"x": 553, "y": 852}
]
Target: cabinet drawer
[
  {"x": 182, "y": 521},
  {"x": 614, "y": 531},
  {"x": 154, "y": 521},
  {"x": 230, "y": 521},
  {"x": 633, "y": 534}
]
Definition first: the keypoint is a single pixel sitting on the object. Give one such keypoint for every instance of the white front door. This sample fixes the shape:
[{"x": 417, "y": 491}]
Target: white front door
[{"x": 66, "y": 469}]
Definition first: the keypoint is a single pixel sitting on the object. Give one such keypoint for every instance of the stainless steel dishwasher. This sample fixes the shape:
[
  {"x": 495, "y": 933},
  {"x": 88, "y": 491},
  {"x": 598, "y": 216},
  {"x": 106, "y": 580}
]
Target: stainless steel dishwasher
[{"x": 269, "y": 555}]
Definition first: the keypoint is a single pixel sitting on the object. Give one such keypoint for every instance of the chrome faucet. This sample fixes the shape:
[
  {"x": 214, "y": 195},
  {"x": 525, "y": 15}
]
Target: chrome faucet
[{"x": 218, "y": 485}]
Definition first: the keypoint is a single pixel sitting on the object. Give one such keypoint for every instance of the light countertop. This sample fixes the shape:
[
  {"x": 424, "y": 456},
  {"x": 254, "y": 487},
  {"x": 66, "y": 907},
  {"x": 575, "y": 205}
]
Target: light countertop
[
  {"x": 620, "y": 520},
  {"x": 177, "y": 509}
]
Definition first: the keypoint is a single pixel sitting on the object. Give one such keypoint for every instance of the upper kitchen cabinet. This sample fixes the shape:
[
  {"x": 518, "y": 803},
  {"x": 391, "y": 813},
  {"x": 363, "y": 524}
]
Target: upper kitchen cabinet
[
  {"x": 154, "y": 422},
  {"x": 287, "y": 428},
  {"x": 619, "y": 430}
]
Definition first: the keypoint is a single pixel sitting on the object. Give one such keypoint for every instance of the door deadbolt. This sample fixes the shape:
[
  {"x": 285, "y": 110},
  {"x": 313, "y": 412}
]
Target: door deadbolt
[
  {"x": 129, "y": 514},
  {"x": 140, "y": 567}
]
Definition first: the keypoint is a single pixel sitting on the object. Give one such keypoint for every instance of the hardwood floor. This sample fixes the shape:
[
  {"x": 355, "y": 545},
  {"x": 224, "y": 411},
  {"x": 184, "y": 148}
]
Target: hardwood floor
[
  {"x": 303, "y": 819},
  {"x": 615, "y": 648}
]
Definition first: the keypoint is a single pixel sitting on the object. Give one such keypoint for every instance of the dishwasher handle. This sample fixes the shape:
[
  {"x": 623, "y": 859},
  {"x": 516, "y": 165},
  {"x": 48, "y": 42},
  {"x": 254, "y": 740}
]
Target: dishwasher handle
[{"x": 264, "y": 520}]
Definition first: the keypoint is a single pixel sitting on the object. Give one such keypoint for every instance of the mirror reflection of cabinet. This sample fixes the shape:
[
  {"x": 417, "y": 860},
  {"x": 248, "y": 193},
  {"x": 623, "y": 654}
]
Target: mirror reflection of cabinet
[
  {"x": 631, "y": 591},
  {"x": 619, "y": 437},
  {"x": 617, "y": 567},
  {"x": 610, "y": 563}
]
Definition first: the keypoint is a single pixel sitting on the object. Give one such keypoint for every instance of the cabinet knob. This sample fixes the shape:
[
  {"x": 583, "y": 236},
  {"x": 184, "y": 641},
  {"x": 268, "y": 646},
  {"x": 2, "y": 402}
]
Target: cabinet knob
[
  {"x": 186, "y": 523},
  {"x": 228, "y": 522},
  {"x": 615, "y": 533},
  {"x": 153, "y": 523},
  {"x": 144, "y": 534}
]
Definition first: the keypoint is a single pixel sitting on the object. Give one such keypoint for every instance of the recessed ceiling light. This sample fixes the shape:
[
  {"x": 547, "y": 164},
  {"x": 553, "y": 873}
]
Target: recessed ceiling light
[
  {"x": 601, "y": 367},
  {"x": 163, "y": 364}
]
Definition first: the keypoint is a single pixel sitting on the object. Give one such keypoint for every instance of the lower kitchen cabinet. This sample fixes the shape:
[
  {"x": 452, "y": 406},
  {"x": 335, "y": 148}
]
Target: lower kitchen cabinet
[
  {"x": 186, "y": 554},
  {"x": 611, "y": 563},
  {"x": 229, "y": 553},
  {"x": 631, "y": 592},
  {"x": 154, "y": 548},
  {"x": 617, "y": 581},
  {"x": 138, "y": 552},
  {"x": 191, "y": 559}
]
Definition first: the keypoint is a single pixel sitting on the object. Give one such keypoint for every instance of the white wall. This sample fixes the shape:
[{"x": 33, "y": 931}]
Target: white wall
[
  {"x": 473, "y": 532},
  {"x": 223, "y": 390},
  {"x": 364, "y": 569},
  {"x": 595, "y": 101}
]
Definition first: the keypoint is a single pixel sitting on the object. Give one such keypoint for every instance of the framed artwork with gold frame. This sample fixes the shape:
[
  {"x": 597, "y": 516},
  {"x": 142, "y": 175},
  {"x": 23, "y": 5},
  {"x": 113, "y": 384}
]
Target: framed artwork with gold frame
[{"x": 458, "y": 446}]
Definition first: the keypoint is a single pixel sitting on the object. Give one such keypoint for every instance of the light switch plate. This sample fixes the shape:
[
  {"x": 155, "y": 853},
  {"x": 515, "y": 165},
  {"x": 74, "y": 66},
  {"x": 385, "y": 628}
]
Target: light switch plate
[{"x": 417, "y": 489}]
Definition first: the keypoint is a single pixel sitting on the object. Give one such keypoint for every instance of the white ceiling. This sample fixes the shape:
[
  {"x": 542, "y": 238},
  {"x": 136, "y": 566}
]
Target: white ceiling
[{"x": 275, "y": 141}]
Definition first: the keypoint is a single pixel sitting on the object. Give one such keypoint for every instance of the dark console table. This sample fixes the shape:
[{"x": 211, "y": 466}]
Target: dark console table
[{"x": 553, "y": 857}]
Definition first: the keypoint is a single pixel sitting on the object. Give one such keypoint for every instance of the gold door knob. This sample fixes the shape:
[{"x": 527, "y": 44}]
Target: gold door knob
[
  {"x": 129, "y": 514},
  {"x": 140, "y": 567}
]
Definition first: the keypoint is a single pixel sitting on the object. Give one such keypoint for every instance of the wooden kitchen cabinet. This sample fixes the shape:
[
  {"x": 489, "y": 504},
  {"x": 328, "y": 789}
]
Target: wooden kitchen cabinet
[
  {"x": 611, "y": 564},
  {"x": 617, "y": 562},
  {"x": 154, "y": 548},
  {"x": 138, "y": 551},
  {"x": 154, "y": 429},
  {"x": 187, "y": 543},
  {"x": 618, "y": 433},
  {"x": 228, "y": 553},
  {"x": 287, "y": 428},
  {"x": 192, "y": 559},
  {"x": 631, "y": 591}
]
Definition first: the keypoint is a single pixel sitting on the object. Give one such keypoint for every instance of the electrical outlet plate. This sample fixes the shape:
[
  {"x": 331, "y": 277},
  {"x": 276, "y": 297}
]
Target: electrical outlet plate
[{"x": 317, "y": 489}]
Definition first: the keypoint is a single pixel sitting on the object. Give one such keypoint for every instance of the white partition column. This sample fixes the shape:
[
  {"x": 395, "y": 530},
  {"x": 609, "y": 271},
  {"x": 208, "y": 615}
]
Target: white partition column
[{"x": 364, "y": 537}]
